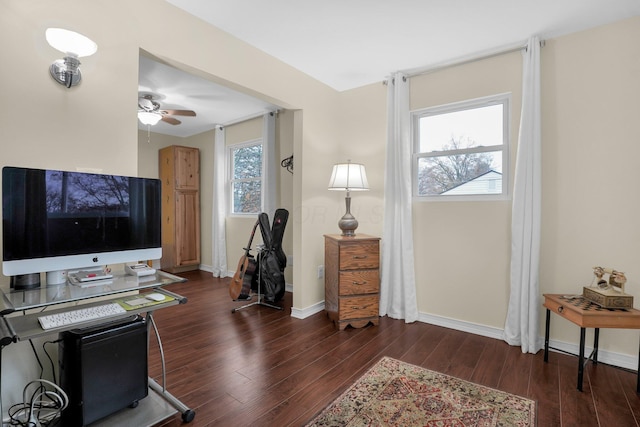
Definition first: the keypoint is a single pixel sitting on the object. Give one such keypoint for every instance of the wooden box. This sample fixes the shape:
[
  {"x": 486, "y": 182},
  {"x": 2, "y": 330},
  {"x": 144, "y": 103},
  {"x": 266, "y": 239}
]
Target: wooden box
[{"x": 608, "y": 298}]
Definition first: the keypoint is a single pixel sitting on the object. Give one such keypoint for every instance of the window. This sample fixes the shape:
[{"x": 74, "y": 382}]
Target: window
[
  {"x": 246, "y": 177},
  {"x": 461, "y": 150}
]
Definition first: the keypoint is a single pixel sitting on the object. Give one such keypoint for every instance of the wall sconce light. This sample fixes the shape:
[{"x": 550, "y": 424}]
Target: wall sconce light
[
  {"x": 350, "y": 177},
  {"x": 65, "y": 71}
]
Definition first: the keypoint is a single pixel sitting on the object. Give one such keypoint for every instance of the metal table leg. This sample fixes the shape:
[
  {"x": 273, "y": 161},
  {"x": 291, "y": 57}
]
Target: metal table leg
[
  {"x": 596, "y": 337},
  {"x": 187, "y": 414},
  {"x": 581, "y": 359},
  {"x": 546, "y": 336}
]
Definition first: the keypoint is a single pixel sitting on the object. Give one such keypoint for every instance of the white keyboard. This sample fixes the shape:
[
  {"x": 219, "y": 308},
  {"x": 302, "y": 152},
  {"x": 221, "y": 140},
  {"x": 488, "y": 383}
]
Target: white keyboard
[{"x": 80, "y": 315}]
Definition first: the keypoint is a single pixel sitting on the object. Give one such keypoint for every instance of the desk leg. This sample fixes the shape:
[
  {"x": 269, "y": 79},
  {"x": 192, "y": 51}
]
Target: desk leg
[
  {"x": 596, "y": 337},
  {"x": 546, "y": 336},
  {"x": 581, "y": 359}
]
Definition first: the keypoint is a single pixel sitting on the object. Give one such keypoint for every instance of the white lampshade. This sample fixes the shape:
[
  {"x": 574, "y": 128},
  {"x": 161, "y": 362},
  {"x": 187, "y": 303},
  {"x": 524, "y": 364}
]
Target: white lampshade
[
  {"x": 70, "y": 42},
  {"x": 349, "y": 177},
  {"x": 147, "y": 118}
]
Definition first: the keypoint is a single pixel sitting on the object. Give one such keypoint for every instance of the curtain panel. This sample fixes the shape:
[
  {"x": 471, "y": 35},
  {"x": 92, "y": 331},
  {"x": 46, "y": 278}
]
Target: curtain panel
[
  {"x": 397, "y": 274},
  {"x": 220, "y": 205},
  {"x": 521, "y": 326}
]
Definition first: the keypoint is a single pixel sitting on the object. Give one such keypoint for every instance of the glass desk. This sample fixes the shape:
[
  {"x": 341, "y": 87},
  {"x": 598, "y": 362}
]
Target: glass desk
[
  {"x": 19, "y": 311},
  {"x": 45, "y": 296}
]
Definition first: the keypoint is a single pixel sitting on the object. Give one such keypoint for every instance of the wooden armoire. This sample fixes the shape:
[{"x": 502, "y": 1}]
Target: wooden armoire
[{"x": 179, "y": 170}]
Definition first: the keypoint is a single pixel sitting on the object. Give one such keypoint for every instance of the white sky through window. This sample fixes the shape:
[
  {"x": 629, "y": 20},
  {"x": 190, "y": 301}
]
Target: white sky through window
[{"x": 483, "y": 126}]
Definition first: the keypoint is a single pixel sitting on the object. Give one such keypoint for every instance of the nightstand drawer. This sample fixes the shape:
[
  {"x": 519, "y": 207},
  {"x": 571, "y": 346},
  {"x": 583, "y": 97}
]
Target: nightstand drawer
[
  {"x": 358, "y": 307},
  {"x": 365, "y": 255},
  {"x": 359, "y": 282}
]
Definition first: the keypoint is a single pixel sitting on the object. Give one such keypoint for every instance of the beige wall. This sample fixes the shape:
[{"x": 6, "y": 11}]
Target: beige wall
[
  {"x": 472, "y": 235},
  {"x": 148, "y": 146},
  {"x": 587, "y": 116},
  {"x": 591, "y": 135},
  {"x": 590, "y": 154},
  {"x": 92, "y": 125},
  {"x": 238, "y": 227},
  {"x": 590, "y": 146},
  {"x": 284, "y": 136}
]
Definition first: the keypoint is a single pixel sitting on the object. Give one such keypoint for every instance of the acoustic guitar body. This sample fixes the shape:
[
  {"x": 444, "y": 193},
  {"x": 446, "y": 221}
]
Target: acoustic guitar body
[{"x": 235, "y": 287}]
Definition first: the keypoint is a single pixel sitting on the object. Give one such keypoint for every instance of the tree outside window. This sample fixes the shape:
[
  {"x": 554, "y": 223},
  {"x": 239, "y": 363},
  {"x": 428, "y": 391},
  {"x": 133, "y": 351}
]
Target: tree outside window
[
  {"x": 461, "y": 149},
  {"x": 246, "y": 178}
]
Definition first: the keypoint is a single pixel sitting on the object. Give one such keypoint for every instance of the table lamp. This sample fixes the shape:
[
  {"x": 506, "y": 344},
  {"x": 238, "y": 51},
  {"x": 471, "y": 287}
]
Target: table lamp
[{"x": 350, "y": 177}]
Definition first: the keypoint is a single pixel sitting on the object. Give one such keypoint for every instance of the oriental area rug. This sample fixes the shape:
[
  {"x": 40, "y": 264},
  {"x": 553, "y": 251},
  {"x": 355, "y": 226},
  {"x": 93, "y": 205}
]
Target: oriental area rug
[{"x": 394, "y": 393}]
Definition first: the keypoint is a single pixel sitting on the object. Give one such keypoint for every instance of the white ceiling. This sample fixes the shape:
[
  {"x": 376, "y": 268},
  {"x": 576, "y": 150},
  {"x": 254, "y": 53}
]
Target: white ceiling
[
  {"x": 351, "y": 43},
  {"x": 214, "y": 104}
]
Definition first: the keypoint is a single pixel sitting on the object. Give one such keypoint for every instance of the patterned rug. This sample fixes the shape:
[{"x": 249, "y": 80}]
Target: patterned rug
[{"x": 394, "y": 393}]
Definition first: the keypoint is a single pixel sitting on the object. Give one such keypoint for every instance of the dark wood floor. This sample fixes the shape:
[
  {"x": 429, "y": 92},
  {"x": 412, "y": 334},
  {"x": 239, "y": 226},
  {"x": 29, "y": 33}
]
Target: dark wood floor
[{"x": 261, "y": 367}]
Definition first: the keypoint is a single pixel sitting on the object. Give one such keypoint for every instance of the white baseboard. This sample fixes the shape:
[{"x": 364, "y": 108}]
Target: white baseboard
[
  {"x": 611, "y": 358},
  {"x": 460, "y": 325},
  {"x": 204, "y": 267},
  {"x": 208, "y": 268},
  {"x": 616, "y": 359},
  {"x": 306, "y": 312}
]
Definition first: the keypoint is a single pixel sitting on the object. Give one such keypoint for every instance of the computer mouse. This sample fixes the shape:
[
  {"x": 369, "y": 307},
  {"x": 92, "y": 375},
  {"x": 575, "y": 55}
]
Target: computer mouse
[{"x": 155, "y": 297}]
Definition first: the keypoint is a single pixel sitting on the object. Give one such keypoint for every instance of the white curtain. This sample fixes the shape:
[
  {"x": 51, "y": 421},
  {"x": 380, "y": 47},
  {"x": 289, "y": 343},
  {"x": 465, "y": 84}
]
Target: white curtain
[
  {"x": 269, "y": 194},
  {"x": 521, "y": 326},
  {"x": 397, "y": 282},
  {"x": 220, "y": 203}
]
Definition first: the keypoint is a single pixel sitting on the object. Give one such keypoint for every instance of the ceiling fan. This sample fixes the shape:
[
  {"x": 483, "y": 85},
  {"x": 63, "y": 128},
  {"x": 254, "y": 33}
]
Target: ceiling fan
[{"x": 150, "y": 113}]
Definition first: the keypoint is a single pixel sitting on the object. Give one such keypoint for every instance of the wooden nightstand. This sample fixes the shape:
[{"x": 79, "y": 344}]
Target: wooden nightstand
[{"x": 352, "y": 279}]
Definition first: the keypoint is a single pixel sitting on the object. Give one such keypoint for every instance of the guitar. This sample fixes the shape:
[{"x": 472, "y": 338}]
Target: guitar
[
  {"x": 247, "y": 278},
  {"x": 241, "y": 281}
]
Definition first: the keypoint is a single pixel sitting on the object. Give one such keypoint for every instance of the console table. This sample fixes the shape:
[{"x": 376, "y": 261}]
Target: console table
[
  {"x": 19, "y": 312},
  {"x": 586, "y": 314}
]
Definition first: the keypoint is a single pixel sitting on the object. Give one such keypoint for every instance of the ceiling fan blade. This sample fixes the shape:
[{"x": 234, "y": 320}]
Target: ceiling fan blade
[
  {"x": 170, "y": 120},
  {"x": 180, "y": 112}
]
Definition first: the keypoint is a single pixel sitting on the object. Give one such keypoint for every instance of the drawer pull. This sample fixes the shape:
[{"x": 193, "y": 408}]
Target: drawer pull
[
  {"x": 358, "y": 283},
  {"x": 360, "y": 256},
  {"x": 560, "y": 309},
  {"x": 355, "y": 307}
]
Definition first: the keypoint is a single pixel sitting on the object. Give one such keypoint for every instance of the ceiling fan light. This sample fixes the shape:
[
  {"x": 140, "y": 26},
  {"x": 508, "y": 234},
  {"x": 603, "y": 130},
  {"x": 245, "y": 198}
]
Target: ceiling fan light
[{"x": 147, "y": 118}]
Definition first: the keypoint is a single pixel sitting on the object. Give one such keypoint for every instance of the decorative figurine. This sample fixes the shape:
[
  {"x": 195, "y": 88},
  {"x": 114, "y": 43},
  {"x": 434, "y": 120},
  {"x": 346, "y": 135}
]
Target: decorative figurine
[
  {"x": 598, "y": 272},
  {"x": 617, "y": 278}
]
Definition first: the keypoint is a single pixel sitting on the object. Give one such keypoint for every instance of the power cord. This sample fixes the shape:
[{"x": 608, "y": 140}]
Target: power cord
[
  {"x": 53, "y": 368},
  {"x": 41, "y": 407},
  {"x": 35, "y": 353}
]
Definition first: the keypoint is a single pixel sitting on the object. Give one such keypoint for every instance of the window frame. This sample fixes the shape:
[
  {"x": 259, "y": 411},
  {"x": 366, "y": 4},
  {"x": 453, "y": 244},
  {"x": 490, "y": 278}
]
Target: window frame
[
  {"x": 416, "y": 115},
  {"x": 231, "y": 181}
]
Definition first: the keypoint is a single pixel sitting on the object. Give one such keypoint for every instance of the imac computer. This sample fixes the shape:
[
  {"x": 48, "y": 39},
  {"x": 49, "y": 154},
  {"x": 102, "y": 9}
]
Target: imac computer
[{"x": 55, "y": 221}]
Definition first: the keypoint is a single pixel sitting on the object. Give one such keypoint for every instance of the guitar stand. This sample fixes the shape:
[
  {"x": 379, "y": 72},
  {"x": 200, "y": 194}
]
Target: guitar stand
[{"x": 259, "y": 301}]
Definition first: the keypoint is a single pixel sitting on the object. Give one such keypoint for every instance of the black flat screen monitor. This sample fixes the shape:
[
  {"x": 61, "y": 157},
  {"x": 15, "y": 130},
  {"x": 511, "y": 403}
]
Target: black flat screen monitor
[{"x": 57, "y": 220}]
